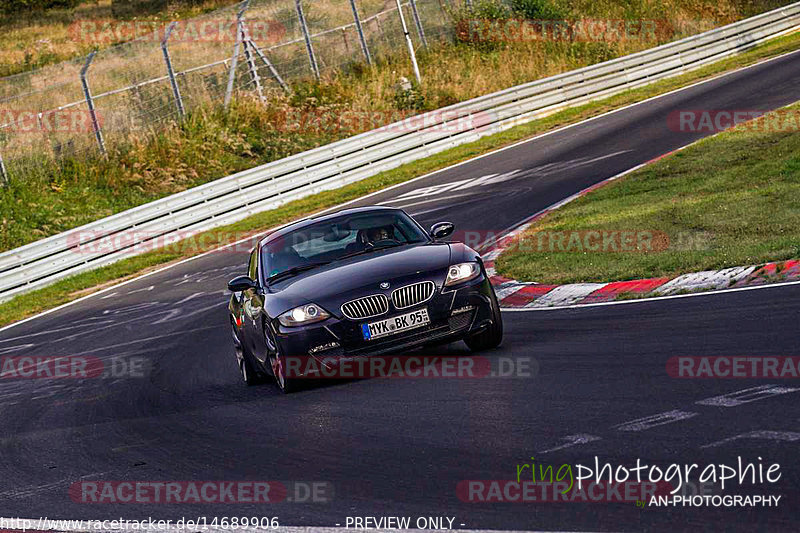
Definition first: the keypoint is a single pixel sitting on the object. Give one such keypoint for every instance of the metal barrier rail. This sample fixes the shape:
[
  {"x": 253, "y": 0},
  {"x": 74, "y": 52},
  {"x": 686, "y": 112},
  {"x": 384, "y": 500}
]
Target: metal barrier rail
[{"x": 240, "y": 195}]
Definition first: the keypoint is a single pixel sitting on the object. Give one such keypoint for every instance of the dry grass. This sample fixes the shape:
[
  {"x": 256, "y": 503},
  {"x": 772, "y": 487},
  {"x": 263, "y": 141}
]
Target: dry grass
[{"x": 33, "y": 40}]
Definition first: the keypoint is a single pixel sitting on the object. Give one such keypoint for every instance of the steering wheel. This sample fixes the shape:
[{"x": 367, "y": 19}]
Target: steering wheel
[{"x": 384, "y": 242}]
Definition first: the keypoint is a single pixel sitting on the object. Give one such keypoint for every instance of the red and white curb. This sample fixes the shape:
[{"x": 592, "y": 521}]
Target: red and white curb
[
  {"x": 520, "y": 294},
  {"x": 515, "y": 294}
]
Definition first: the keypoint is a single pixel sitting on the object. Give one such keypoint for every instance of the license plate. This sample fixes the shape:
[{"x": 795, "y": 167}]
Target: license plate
[{"x": 397, "y": 324}]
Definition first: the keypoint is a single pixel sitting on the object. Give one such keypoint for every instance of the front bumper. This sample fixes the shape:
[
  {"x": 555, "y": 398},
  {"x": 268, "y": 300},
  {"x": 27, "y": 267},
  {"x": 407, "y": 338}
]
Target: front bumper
[{"x": 455, "y": 313}]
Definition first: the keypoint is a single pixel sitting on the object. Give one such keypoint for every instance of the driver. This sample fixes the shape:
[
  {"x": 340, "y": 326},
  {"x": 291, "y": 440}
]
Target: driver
[{"x": 374, "y": 235}]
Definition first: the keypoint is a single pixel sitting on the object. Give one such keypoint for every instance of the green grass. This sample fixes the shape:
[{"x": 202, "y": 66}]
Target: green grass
[
  {"x": 76, "y": 286},
  {"x": 729, "y": 200}
]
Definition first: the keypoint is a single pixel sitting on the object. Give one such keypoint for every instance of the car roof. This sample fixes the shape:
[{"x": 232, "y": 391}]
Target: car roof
[{"x": 292, "y": 226}]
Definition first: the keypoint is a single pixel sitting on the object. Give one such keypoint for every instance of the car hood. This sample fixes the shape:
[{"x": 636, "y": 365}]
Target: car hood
[{"x": 341, "y": 281}]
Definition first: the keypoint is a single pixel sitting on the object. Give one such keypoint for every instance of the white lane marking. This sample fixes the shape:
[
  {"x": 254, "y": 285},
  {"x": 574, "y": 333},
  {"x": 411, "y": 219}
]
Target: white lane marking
[
  {"x": 109, "y": 295},
  {"x": 191, "y": 296},
  {"x": 567, "y": 294},
  {"x": 428, "y": 191},
  {"x": 144, "y": 289},
  {"x": 655, "y": 299},
  {"x": 572, "y": 440},
  {"x": 9, "y": 349},
  {"x": 495, "y": 178},
  {"x": 181, "y": 314},
  {"x": 668, "y": 417},
  {"x": 408, "y": 182},
  {"x": 146, "y": 339},
  {"x": 787, "y": 436},
  {"x": 100, "y": 322},
  {"x": 741, "y": 397},
  {"x": 488, "y": 178},
  {"x": 708, "y": 279},
  {"x": 442, "y": 199}
]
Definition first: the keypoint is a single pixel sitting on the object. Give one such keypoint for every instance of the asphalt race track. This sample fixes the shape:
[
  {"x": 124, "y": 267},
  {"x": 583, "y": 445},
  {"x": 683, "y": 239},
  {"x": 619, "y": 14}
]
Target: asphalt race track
[{"x": 590, "y": 381}]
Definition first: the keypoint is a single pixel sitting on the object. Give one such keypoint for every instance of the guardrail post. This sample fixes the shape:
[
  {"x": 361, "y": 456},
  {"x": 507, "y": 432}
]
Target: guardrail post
[
  {"x": 235, "y": 57},
  {"x": 418, "y": 23},
  {"x": 3, "y": 173},
  {"x": 176, "y": 92},
  {"x": 270, "y": 66},
  {"x": 307, "y": 36},
  {"x": 98, "y": 134},
  {"x": 408, "y": 42},
  {"x": 360, "y": 32}
]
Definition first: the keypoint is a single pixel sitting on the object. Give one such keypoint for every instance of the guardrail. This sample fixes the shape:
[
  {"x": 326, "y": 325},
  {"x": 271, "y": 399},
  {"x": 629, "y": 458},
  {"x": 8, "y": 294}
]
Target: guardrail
[{"x": 332, "y": 166}]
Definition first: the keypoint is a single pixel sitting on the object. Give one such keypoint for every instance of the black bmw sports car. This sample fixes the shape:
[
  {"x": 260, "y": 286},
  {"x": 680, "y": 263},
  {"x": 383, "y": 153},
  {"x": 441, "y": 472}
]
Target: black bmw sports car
[{"x": 357, "y": 283}]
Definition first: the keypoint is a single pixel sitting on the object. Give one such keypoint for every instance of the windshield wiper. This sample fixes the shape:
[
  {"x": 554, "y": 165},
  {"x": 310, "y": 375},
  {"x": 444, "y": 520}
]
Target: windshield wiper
[
  {"x": 295, "y": 270},
  {"x": 371, "y": 249}
]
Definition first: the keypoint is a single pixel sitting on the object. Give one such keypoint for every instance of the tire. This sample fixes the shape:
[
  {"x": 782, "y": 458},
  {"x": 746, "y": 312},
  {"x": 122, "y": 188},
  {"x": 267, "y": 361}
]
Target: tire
[
  {"x": 277, "y": 363},
  {"x": 492, "y": 336},
  {"x": 249, "y": 374}
]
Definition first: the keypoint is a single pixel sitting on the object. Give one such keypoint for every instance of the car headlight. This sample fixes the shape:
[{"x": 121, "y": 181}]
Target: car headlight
[
  {"x": 302, "y": 315},
  {"x": 462, "y": 272}
]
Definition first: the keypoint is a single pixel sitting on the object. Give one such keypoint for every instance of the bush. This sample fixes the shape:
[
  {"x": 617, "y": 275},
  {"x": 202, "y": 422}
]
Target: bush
[
  {"x": 536, "y": 10},
  {"x": 490, "y": 10}
]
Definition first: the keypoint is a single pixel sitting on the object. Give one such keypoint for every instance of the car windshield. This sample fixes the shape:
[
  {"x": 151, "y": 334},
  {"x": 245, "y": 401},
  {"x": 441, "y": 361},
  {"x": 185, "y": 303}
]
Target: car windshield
[{"x": 334, "y": 239}]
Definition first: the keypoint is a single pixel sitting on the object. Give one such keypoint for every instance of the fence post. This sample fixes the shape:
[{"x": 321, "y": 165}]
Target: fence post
[
  {"x": 235, "y": 58},
  {"x": 408, "y": 42},
  {"x": 176, "y": 92},
  {"x": 418, "y": 23},
  {"x": 3, "y": 173},
  {"x": 309, "y": 47},
  {"x": 269, "y": 65},
  {"x": 251, "y": 62},
  {"x": 92, "y": 112},
  {"x": 360, "y": 32}
]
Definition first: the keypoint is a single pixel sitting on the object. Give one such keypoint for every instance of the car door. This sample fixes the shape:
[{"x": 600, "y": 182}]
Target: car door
[{"x": 253, "y": 306}]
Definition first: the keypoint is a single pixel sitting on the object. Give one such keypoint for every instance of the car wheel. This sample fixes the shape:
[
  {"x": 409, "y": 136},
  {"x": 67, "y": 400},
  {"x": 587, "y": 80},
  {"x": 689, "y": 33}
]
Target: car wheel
[
  {"x": 278, "y": 363},
  {"x": 492, "y": 336},
  {"x": 249, "y": 375}
]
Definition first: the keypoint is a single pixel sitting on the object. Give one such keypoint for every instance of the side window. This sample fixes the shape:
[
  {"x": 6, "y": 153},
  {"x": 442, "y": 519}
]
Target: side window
[{"x": 253, "y": 267}]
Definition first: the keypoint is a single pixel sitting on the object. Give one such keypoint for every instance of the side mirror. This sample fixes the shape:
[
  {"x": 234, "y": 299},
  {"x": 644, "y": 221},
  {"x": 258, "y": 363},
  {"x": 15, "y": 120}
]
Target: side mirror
[
  {"x": 440, "y": 230},
  {"x": 241, "y": 283}
]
